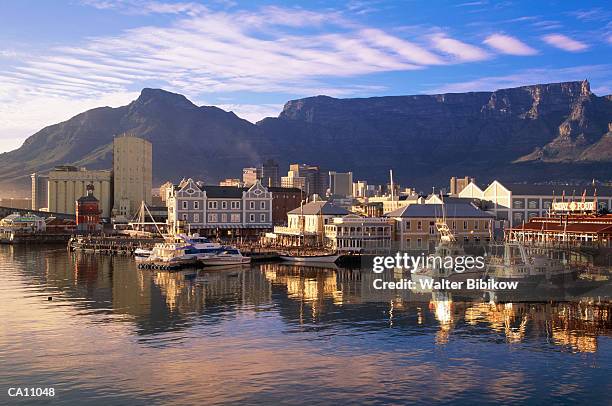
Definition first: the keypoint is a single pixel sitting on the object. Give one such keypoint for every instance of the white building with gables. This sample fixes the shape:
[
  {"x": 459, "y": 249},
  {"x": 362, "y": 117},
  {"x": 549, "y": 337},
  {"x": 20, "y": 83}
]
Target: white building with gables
[{"x": 219, "y": 210}]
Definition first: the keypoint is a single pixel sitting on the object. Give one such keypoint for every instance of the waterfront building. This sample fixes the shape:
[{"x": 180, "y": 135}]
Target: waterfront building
[
  {"x": 458, "y": 184},
  {"x": 341, "y": 184},
  {"x": 415, "y": 225},
  {"x": 40, "y": 191},
  {"x": 88, "y": 212},
  {"x": 352, "y": 233},
  {"x": 132, "y": 171},
  {"x": 517, "y": 203},
  {"x": 283, "y": 201},
  {"x": 68, "y": 183},
  {"x": 305, "y": 224},
  {"x": 250, "y": 176},
  {"x": 270, "y": 175},
  {"x": 24, "y": 223},
  {"x": 220, "y": 210},
  {"x": 233, "y": 182}
]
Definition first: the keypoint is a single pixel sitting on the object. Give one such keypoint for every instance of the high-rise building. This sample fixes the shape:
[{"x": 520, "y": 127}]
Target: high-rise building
[
  {"x": 315, "y": 181},
  {"x": 250, "y": 176},
  {"x": 360, "y": 188},
  {"x": 341, "y": 183},
  {"x": 458, "y": 184},
  {"x": 133, "y": 172},
  {"x": 40, "y": 191},
  {"x": 69, "y": 183},
  {"x": 270, "y": 176}
]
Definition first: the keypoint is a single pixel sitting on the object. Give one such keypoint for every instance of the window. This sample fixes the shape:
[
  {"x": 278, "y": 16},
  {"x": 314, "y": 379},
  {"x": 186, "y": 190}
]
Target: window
[
  {"x": 224, "y": 218},
  {"x": 262, "y": 205},
  {"x": 185, "y": 205},
  {"x": 184, "y": 216},
  {"x": 465, "y": 225},
  {"x": 408, "y": 225},
  {"x": 224, "y": 204},
  {"x": 212, "y": 205},
  {"x": 235, "y": 205},
  {"x": 419, "y": 226},
  {"x": 235, "y": 218},
  {"x": 475, "y": 224},
  {"x": 419, "y": 242},
  {"x": 251, "y": 217},
  {"x": 196, "y": 205},
  {"x": 196, "y": 217},
  {"x": 252, "y": 205},
  {"x": 262, "y": 218},
  {"x": 454, "y": 225},
  {"x": 212, "y": 218}
]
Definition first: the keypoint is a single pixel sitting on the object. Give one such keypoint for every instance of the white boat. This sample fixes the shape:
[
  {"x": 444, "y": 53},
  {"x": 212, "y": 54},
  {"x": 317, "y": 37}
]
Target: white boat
[
  {"x": 227, "y": 256},
  {"x": 202, "y": 246},
  {"x": 302, "y": 259},
  {"x": 172, "y": 252},
  {"x": 142, "y": 254}
]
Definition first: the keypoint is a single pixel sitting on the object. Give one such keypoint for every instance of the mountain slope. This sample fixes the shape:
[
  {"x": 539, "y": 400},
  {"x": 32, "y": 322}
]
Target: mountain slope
[{"x": 556, "y": 131}]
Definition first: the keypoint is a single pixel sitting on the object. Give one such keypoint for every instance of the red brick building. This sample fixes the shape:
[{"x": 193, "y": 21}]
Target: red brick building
[
  {"x": 88, "y": 212},
  {"x": 284, "y": 199}
]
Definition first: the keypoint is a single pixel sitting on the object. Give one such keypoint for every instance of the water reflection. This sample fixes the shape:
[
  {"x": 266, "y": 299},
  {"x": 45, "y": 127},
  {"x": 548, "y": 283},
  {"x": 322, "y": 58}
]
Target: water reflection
[{"x": 283, "y": 332}]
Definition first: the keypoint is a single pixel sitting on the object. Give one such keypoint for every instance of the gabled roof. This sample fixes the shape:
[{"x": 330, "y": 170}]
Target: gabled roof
[
  {"x": 453, "y": 210},
  {"x": 320, "y": 207}
]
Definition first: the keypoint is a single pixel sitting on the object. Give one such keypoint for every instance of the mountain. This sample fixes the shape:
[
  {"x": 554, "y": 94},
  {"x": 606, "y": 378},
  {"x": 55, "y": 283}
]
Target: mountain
[{"x": 546, "y": 132}]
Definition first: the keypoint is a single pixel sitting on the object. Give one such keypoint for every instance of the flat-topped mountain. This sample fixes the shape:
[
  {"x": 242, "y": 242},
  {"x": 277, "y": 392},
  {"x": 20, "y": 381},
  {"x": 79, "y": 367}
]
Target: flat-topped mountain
[{"x": 547, "y": 132}]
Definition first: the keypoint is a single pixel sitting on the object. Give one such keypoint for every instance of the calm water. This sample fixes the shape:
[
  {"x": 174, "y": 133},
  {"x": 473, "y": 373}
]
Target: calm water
[{"x": 275, "y": 333}]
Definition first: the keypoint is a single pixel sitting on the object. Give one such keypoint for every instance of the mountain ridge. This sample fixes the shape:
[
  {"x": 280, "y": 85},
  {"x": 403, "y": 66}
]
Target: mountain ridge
[{"x": 508, "y": 133}]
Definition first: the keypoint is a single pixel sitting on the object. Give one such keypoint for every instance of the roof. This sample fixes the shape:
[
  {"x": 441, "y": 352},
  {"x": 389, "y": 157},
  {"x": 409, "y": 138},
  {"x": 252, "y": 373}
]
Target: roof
[
  {"x": 320, "y": 207},
  {"x": 523, "y": 189},
  {"x": 225, "y": 192},
  {"x": 453, "y": 210},
  {"x": 87, "y": 198},
  {"x": 275, "y": 189},
  {"x": 453, "y": 199}
]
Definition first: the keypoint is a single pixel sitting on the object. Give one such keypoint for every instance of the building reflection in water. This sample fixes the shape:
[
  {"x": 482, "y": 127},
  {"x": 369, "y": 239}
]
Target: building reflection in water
[{"x": 164, "y": 301}]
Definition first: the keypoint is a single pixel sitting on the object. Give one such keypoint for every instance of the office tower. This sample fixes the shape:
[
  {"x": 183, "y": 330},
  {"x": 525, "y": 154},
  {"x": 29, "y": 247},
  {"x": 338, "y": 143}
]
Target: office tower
[
  {"x": 341, "y": 183},
  {"x": 40, "y": 191}
]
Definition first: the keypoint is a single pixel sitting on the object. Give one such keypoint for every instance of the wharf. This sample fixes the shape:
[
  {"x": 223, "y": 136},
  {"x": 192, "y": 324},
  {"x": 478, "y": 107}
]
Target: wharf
[
  {"x": 34, "y": 238},
  {"x": 112, "y": 245}
]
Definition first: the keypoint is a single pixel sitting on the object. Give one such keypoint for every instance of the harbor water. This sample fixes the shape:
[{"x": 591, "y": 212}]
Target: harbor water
[{"x": 101, "y": 331}]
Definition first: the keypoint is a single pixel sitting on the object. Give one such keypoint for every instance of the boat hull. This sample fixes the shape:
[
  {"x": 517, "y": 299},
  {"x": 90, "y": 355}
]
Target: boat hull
[{"x": 329, "y": 259}]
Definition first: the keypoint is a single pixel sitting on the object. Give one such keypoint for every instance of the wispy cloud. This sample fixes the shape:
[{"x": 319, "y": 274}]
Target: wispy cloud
[
  {"x": 509, "y": 45},
  {"x": 148, "y": 6},
  {"x": 595, "y": 14},
  {"x": 461, "y": 51},
  {"x": 564, "y": 42}
]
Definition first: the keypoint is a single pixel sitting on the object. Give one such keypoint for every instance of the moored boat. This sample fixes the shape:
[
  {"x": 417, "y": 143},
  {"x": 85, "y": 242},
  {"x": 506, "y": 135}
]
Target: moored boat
[
  {"x": 320, "y": 258},
  {"x": 226, "y": 256}
]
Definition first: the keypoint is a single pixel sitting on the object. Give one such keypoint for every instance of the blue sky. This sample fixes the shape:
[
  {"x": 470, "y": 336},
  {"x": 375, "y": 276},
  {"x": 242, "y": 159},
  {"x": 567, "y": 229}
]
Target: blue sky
[{"x": 58, "y": 58}]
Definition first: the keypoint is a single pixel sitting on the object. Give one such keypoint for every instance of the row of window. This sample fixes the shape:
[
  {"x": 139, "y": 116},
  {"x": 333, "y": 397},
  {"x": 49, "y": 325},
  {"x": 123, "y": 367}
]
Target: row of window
[
  {"x": 466, "y": 239},
  {"x": 453, "y": 225},
  {"x": 214, "y": 218},
  {"x": 213, "y": 204}
]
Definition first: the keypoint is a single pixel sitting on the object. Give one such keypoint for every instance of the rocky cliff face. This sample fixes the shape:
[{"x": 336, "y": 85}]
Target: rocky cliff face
[{"x": 557, "y": 131}]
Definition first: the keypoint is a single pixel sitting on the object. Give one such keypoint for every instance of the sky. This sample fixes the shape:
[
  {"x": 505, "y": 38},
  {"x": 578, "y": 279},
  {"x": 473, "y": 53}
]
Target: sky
[{"x": 59, "y": 58}]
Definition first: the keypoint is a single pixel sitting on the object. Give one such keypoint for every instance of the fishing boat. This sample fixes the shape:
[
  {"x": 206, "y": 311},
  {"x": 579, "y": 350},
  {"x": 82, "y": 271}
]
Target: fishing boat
[
  {"x": 518, "y": 262},
  {"x": 226, "y": 256}
]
